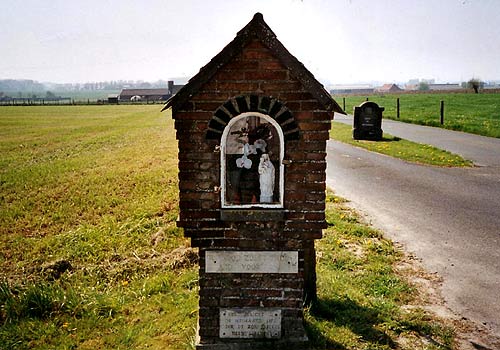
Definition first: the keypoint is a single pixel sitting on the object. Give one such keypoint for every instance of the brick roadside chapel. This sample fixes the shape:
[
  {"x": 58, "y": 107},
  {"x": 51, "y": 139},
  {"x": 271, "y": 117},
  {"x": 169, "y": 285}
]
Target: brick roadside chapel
[{"x": 252, "y": 127}]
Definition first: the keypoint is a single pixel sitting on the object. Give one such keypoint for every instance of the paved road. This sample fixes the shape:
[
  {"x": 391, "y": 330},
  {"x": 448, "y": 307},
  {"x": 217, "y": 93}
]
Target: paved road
[{"x": 449, "y": 217}]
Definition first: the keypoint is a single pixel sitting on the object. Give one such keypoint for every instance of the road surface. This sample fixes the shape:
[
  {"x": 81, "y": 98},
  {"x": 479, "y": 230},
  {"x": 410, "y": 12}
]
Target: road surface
[{"x": 449, "y": 217}]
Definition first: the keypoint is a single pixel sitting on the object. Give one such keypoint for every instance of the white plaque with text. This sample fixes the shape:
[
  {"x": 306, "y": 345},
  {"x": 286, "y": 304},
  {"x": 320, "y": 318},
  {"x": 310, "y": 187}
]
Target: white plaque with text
[
  {"x": 223, "y": 261},
  {"x": 250, "y": 323}
]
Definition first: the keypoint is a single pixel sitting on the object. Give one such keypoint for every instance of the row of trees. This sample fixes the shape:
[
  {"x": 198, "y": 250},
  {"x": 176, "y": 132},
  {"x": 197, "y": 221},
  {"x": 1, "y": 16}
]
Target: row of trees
[
  {"x": 110, "y": 85},
  {"x": 13, "y": 86},
  {"x": 48, "y": 95}
]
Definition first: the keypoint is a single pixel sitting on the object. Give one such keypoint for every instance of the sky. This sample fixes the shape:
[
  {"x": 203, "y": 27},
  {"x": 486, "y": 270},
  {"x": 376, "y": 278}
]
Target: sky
[{"x": 339, "y": 41}]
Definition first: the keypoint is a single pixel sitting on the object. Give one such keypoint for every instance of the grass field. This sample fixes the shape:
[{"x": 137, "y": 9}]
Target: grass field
[
  {"x": 474, "y": 113},
  {"x": 91, "y": 257},
  {"x": 95, "y": 187}
]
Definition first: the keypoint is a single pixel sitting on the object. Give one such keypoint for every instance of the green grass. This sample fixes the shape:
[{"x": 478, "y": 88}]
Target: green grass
[
  {"x": 473, "y": 113},
  {"x": 95, "y": 186},
  {"x": 91, "y": 257},
  {"x": 400, "y": 148}
]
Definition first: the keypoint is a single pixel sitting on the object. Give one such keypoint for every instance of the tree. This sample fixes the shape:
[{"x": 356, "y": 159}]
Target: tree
[
  {"x": 475, "y": 84},
  {"x": 423, "y": 86},
  {"x": 50, "y": 95}
]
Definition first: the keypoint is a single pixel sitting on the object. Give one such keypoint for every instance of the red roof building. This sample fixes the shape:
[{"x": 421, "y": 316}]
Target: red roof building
[{"x": 389, "y": 88}]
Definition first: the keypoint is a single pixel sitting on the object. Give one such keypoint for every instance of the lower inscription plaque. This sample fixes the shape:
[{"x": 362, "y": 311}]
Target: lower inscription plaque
[{"x": 250, "y": 323}]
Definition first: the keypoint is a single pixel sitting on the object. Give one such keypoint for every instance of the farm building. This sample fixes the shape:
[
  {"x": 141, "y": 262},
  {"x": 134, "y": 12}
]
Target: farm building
[
  {"x": 145, "y": 94},
  {"x": 173, "y": 88},
  {"x": 389, "y": 88},
  {"x": 434, "y": 86},
  {"x": 350, "y": 89},
  {"x": 150, "y": 94},
  {"x": 444, "y": 87},
  {"x": 113, "y": 98}
]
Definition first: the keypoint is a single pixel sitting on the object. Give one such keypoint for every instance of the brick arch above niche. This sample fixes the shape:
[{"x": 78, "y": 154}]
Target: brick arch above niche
[{"x": 253, "y": 103}]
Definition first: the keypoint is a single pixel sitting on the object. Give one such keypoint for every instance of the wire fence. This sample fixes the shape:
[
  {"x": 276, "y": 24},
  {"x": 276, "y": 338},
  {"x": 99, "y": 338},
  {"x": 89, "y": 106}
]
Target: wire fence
[{"x": 72, "y": 102}]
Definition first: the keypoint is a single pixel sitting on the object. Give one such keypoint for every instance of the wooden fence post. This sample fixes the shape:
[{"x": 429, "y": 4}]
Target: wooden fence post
[
  {"x": 397, "y": 107},
  {"x": 442, "y": 112},
  {"x": 343, "y": 103}
]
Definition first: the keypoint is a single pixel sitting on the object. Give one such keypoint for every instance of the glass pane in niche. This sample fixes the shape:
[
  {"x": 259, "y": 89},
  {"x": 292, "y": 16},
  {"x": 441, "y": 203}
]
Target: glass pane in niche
[{"x": 252, "y": 162}]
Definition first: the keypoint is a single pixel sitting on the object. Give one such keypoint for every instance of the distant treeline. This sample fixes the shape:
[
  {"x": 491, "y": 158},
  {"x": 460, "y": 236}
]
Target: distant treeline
[
  {"x": 11, "y": 85},
  {"x": 27, "y": 88}
]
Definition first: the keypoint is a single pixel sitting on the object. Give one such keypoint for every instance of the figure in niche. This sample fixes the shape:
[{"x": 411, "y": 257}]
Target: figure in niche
[
  {"x": 254, "y": 147},
  {"x": 266, "y": 179},
  {"x": 250, "y": 176}
]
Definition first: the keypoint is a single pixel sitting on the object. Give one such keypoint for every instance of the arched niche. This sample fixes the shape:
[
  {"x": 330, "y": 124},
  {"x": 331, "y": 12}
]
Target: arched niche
[{"x": 252, "y": 171}]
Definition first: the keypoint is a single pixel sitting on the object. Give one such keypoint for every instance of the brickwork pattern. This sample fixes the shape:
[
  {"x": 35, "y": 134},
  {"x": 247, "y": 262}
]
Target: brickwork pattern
[{"x": 253, "y": 72}]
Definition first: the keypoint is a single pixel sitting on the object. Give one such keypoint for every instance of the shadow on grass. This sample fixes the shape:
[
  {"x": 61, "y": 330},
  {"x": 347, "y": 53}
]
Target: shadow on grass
[
  {"x": 359, "y": 319},
  {"x": 390, "y": 139}
]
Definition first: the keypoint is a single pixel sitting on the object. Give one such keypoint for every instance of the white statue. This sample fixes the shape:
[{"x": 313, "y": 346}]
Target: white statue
[
  {"x": 266, "y": 179},
  {"x": 244, "y": 161}
]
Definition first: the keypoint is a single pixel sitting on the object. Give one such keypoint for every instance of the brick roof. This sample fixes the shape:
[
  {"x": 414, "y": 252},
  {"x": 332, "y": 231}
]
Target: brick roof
[{"x": 257, "y": 28}]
